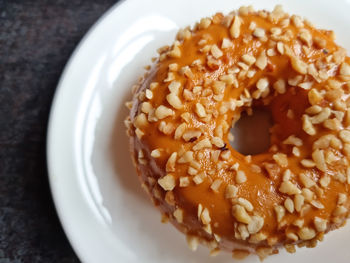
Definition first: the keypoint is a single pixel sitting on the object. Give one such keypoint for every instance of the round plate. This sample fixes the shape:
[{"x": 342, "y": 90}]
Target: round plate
[{"x": 103, "y": 210}]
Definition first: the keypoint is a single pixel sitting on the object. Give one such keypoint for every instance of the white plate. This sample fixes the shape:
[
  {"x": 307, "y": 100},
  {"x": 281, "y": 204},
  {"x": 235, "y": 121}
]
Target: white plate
[{"x": 103, "y": 210}]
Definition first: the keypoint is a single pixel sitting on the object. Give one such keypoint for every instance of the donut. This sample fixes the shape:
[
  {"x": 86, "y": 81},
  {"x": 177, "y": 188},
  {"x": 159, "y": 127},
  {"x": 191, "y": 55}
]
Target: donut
[{"x": 185, "y": 105}]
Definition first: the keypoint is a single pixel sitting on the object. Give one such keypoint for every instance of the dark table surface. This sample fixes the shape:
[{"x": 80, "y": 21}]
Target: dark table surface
[{"x": 36, "y": 39}]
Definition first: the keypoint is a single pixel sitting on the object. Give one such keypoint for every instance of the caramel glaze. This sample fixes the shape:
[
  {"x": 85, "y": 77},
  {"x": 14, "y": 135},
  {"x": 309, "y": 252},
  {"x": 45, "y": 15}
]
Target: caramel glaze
[{"x": 261, "y": 189}]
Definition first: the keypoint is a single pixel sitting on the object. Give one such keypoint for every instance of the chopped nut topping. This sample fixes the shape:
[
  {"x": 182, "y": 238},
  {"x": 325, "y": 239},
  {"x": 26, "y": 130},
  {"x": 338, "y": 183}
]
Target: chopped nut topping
[
  {"x": 307, "y": 125},
  {"x": 178, "y": 214},
  {"x": 205, "y": 143},
  {"x": 262, "y": 84},
  {"x": 184, "y": 181},
  {"x": 218, "y": 142},
  {"x": 204, "y": 23},
  {"x": 289, "y": 205},
  {"x": 280, "y": 212},
  {"x": 231, "y": 191},
  {"x": 174, "y": 101},
  {"x": 192, "y": 171},
  {"x": 139, "y": 133},
  {"x": 155, "y": 153},
  {"x": 205, "y": 217},
  {"x": 317, "y": 204},
  {"x": 215, "y": 51},
  {"x": 199, "y": 178},
  {"x": 339, "y": 210},
  {"x": 280, "y": 86},
  {"x": 200, "y": 110},
  {"x": 189, "y": 135},
  {"x": 226, "y": 43},
  {"x": 241, "y": 214},
  {"x": 192, "y": 242},
  {"x": 179, "y": 131},
  {"x": 298, "y": 65},
  {"x": 235, "y": 28},
  {"x": 320, "y": 224},
  {"x": 219, "y": 87},
  {"x": 261, "y": 61},
  {"x": 341, "y": 199},
  {"x": 167, "y": 182},
  {"x": 248, "y": 59},
  {"x": 246, "y": 204},
  {"x": 163, "y": 112},
  {"x": 240, "y": 177},
  {"x": 289, "y": 188},
  {"x": 306, "y": 181},
  {"x": 259, "y": 32},
  {"x": 216, "y": 185},
  {"x": 318, "y": 157},
  {"x": 345, "y": 136},
  {"x": 170, "y": 165},
  {"x": 306, "y": 233},
  {"x": 344, "y": 69},
  {"x": 281, "y": 159},
  {"x": 175, "y": 52},
  {"x": 296, "y": 151},
  {"x": 298, "y": 202},
  {"x": 280, "y": 47},
  {"x": 140, "y": 120},
  {"x": 297, "y": 21},
  {"x": 148, "y": 94},
  {"x": 256, "y": 225},
  {"x": 174, "y": 87},
  {"x": 293, "y": 140},
  {"x": 292, "y": 237}
]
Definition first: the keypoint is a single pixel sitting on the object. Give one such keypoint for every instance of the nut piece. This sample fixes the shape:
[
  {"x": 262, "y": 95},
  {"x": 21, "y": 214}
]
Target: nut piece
[
  {"x": 318, "y": 157},
  {"x": 235, "y": 29},
  {"x": 261, "y": 61},
  {"x": 320, "y": 224},
  {"x": 255, "y": 225},
  {"x": 205, "y": 143},
  {"x": 170, "y": 165},
  {"x": 281, "y": 159},
  {"x": 192, "y": 242},
  {"x": 218, "y": 142},
  {"x": 306, "y": 233},
  {"x": 205, "y": 217},
  {"x": 280, "y": 86},
  {"x": 289, "y": 188},
  {"x": 241, "y": 177},
  {"x": 231, "y": 191},
  {"x": 184, "y": 181},
  {"x": 246, "y": 204},
  {"x": 174, "y": 101},
  {"x": 280, "y": 212},
  {"x": 200, "y": 110},
  {"x": 306, "y": 181},
  {"x": 215, "y": 51},
  {"x": 163, "y": 112},
  {"x": 298, "y": 202},
  {"x": 167, "y": 182},
  {"x": 179, "y": 214},
  {"x": 241, "y": 214},
  {"x": 216, "y": 185},
  {"x": 298, "y": 65},
  {"x": 259, "y": 32},
  {"x": 289, "y": 205}
]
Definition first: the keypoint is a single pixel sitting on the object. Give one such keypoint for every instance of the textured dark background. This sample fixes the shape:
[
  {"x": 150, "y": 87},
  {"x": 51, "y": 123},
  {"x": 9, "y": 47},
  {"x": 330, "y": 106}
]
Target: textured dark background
[{"x": 36, "y": 40}]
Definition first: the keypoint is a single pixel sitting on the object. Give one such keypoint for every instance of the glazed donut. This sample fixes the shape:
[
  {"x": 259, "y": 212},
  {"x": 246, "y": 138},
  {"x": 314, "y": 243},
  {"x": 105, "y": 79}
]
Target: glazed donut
[{"x": 184, "y": 107}]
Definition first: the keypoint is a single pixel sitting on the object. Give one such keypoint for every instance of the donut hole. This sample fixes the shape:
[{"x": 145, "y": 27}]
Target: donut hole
[{"x": 251, "y": 132}]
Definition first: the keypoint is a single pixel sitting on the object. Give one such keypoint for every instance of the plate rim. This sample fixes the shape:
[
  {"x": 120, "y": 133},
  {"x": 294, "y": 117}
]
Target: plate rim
[{"x": 50, "y": 129}]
